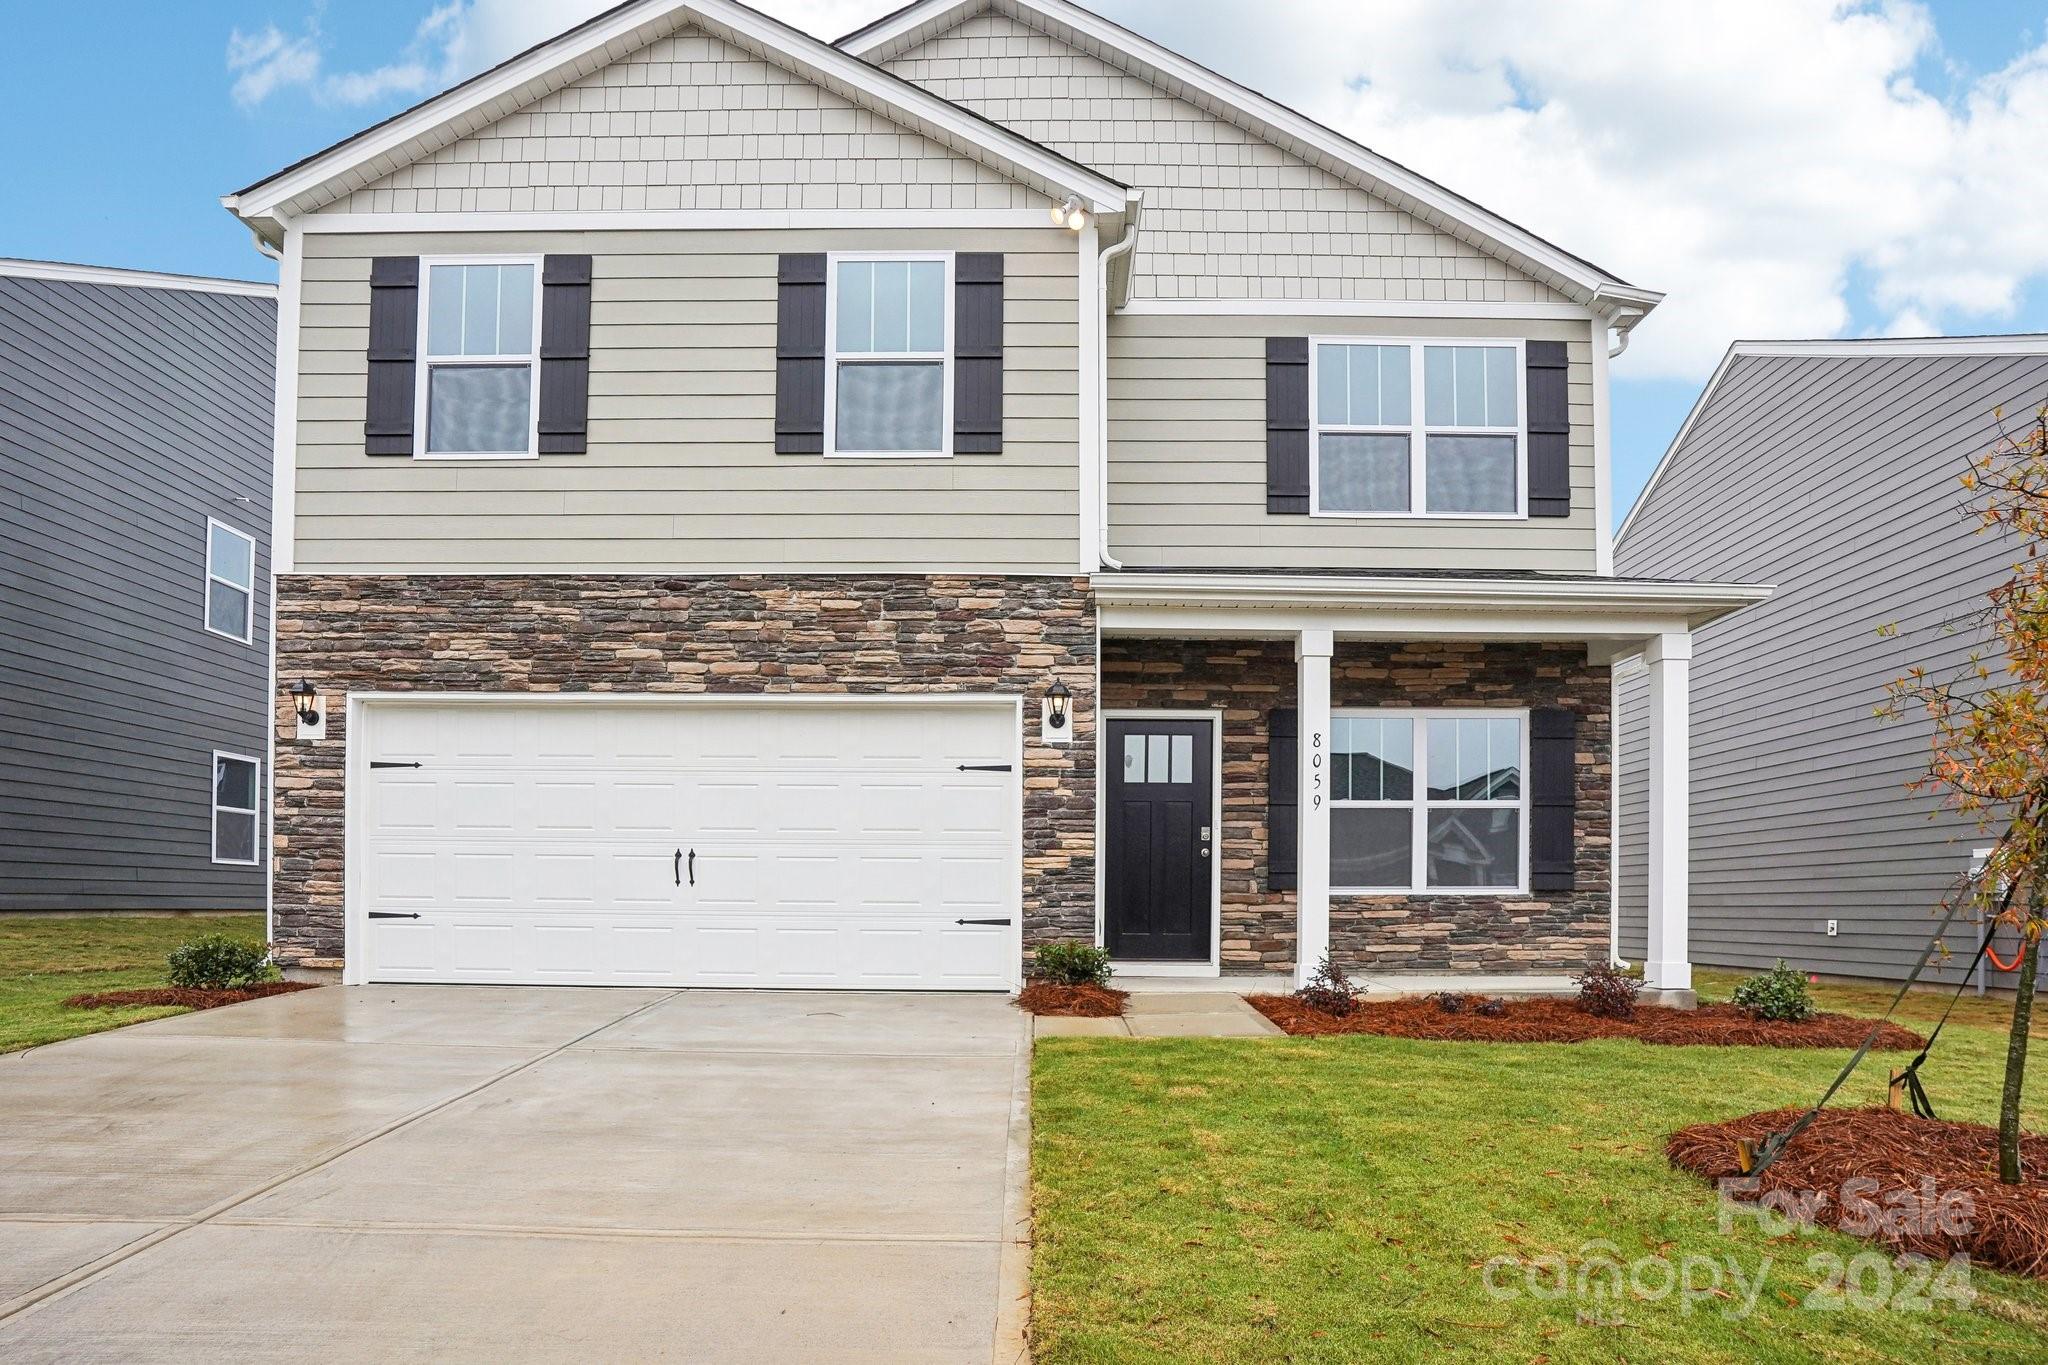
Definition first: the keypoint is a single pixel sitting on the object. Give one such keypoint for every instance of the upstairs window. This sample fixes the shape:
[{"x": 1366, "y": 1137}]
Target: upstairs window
[
  {"x": 230, "y": 582},
  {"x": 888, "y": 367},
  {"x": 1416, "y": 428},
  {"x": 479, "y": 340}
]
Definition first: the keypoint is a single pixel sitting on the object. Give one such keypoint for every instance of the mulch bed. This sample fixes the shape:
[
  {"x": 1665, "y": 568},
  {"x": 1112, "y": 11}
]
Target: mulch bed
[
  {"x": 2003, "y": 1226},
  {"x": 1562, "y": 1021},
  {"x": 1074, "y": 1002},
  {"x": 189, "y": 998}
]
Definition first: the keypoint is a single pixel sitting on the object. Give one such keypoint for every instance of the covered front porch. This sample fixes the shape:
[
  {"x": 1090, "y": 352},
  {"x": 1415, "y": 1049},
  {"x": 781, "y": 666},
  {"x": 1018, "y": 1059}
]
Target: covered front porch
[{"x": 1410, "y": 774}]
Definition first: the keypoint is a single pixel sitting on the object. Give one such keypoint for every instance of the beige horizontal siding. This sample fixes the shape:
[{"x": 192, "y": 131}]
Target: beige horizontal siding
[
  {"x": 1187, "y": 469},
  {"x": 681, "y": 475}
]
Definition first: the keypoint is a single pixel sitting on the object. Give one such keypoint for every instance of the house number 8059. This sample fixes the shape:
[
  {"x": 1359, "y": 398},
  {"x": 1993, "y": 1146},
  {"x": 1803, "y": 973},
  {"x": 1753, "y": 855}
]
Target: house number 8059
[{"x": 1315, "y": 769}]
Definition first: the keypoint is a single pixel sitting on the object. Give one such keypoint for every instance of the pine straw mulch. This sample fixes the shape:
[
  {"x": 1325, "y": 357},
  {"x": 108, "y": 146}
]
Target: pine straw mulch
[
  {"x": 1562, "y": 1021},
  {"x": 1074, "y": 1002},
  {"x": 189, "y": 997},
  {"x": 2002, "y": 1226}
]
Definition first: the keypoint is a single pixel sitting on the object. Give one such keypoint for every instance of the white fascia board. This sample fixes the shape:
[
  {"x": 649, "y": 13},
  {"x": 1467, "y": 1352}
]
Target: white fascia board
[
  {"x": 1359, "y": 308},
  {"x": 672, "y": 220},
  {"x": 1320, "y": 146},
  {"x": 132, "y": 279},
  {"x": 1535, "y": 599},
  {"x": 384, "y": 147}
]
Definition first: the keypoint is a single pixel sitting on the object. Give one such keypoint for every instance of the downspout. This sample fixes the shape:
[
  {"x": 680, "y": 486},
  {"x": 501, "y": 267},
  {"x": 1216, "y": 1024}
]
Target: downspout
[
  {"x": 1120, "y": 247},
  {"x": 1623, "y": 325}
]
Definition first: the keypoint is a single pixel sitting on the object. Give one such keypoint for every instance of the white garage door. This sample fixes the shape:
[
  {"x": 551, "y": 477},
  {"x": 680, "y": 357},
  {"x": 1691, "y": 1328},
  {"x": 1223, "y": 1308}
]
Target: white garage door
[{"x": 777, "y": 843}]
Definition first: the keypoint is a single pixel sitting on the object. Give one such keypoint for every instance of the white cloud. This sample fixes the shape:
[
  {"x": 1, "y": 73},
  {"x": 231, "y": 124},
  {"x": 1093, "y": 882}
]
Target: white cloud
[{"x": 1775, "y": 165}]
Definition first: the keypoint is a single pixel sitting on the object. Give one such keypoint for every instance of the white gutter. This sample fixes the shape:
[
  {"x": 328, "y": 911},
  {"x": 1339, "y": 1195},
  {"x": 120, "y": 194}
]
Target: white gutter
[{"x": 1134, "y": 210}]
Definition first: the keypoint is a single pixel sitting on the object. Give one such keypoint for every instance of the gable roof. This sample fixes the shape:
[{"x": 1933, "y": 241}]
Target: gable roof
[
  {"x": 1844, "y": 349},
  {"x": 540, "y": 70},
  {"x": 1322, "y": 147}
]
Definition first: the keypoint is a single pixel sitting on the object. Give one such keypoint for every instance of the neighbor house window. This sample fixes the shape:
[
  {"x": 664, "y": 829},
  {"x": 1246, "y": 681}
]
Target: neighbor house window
[
  {"x": 1428, "y": 801},
  {"x": 236, "y": 781},
  {"x": 891, "y": 332},
  {"x": 230, "y": 582},
  {"x": 1417, "y": 428},
  {"x": 479, "y": 339}
]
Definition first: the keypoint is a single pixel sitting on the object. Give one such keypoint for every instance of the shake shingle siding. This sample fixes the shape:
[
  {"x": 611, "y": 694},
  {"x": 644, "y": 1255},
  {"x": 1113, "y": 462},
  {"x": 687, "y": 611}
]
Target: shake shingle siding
[
  {"x": 1836, "y": 479},
  {"x": 128, "y": 417}
]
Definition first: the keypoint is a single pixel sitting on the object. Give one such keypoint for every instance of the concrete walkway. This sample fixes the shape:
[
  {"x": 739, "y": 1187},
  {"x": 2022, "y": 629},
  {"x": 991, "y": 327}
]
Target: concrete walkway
[
  {"x": 429, "y": 1173},
  {"x": 1176, "y": 1013}
]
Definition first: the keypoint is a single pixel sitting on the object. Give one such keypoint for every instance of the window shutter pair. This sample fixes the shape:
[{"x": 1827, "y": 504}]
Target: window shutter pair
[
  {"x": 801, "y": 282},
  {"x": 1287, "y": 427},
  {"x": 1553, "y": 800},
  {"x": 564, "y": 418}
]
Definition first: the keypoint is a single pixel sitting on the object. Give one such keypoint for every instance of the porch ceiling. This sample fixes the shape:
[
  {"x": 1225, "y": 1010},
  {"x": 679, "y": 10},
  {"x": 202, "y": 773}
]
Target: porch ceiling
[{"x": 1611, "y": 616}]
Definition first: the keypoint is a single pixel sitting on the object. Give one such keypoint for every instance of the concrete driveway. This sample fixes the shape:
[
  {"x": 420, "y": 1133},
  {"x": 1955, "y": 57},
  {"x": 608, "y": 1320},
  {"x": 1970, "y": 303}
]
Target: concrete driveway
[{"x": 433, "y": 1173}]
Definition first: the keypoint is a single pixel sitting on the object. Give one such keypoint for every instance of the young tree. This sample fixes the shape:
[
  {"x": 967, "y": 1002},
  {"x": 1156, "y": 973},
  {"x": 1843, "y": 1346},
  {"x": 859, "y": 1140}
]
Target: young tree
[{"x": 1991, "y": 731}]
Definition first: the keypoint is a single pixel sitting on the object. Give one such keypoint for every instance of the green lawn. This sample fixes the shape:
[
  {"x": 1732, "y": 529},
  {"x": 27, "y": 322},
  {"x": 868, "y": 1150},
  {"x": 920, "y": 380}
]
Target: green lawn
[
  {"x": 1339, "y": 1199},
  {"x": 44, "y": 959}
]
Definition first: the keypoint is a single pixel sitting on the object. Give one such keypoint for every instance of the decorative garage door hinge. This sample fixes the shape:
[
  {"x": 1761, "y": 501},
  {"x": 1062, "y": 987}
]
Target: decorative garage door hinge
[
  {"x": 981, "y": 921},
  {"x": 392, "y": 914},
  {"x": 391, "y": 763},
  {"x": 984, "y": 767}
]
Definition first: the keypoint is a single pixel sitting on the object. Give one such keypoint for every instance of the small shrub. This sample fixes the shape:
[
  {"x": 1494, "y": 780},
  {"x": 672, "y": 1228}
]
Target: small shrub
[
  {"x": 1329, "y": 991},
  {"x": 1607, "y": 992},
  {"x": 1491, "y": 1009},
  {"x": 216, "y": 962},
  {"x": 1779, "y": 993},
  {"x": 1071, "y": 964}
]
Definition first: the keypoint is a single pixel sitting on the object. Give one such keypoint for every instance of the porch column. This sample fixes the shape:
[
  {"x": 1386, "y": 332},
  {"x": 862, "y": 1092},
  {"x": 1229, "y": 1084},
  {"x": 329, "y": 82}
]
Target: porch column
[
  {"x": 1668, "y": 964},
  {"x": 1312, "y": 896}
]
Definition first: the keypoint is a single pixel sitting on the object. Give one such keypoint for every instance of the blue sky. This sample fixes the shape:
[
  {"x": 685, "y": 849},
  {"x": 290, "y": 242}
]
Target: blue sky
[{"x": 1852, "y": 210}]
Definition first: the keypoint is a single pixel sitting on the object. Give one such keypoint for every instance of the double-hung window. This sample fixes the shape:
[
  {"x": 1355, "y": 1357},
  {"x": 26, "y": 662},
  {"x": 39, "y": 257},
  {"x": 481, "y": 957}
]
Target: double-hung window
[
  {"x": 230, "y": 582},
  {"x": 1417, "y": 428},
  {"x": 1462, "y": 827},
  {"x": 479, "y": 355},
  {"x": 888, "y": 370},
  {"x": 237, "y": 780}
]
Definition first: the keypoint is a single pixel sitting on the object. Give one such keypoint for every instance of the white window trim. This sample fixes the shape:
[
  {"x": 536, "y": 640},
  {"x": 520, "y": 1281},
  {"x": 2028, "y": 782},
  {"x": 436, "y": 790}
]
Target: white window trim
[
  {"x": 1421, "y": 804},
  {"x": 1418, "y": 431},
  {"x": 206, "y": 606},
  {"x": 213, "y": 802},
  {"x": 423, "y": 380},
  {"x": 944, "y": 357}
]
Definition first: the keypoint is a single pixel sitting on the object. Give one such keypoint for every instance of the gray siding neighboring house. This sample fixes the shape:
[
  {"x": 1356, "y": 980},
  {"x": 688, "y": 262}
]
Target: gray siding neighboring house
[
  {"x": 1830, "y": 470},
  {"x": 135, "y": 415}
]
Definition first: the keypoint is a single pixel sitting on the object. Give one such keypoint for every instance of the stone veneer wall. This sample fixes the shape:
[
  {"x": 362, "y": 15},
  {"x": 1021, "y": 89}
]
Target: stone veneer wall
[
  {"x": 1247, "y": 679},
  {"x": 729, "y": 635}
]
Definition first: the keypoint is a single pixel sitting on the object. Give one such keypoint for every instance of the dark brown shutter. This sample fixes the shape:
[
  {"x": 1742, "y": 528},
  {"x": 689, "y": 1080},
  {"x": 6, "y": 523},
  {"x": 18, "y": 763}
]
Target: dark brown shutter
[
  {"x": 1283, "y": 799},
  {"x": 394, "y": 366},
  {"x": 978, "y": 353},
  {"x": 1553, "y": 800},
  {"x": 565, "y": 355},
  {"x": 1550, "y": 429},
  {"x": 800, "y": 355},
  {"x": 1287, "y": 427}
]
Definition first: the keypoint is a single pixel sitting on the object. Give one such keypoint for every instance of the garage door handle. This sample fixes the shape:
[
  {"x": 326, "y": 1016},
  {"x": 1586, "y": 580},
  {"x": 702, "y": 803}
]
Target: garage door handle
[
  {"x": 981, "y": 921},
  {"x": 391, "y": 914},
  {"x": 693, "y": 867}
]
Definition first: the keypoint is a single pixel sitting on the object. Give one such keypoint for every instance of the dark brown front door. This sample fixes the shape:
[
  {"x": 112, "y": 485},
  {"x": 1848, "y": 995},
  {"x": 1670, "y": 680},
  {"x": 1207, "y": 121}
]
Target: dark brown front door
[{"x": 1162, "y": 839}]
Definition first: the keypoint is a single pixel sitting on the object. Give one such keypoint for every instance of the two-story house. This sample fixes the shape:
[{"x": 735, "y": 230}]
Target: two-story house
[
  {"x": 135, "y": 443},
  {"x": 755, "y": 511}
]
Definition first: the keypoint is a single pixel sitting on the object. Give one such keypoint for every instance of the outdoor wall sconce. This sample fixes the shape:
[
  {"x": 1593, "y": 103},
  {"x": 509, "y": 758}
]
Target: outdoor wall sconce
[
  {"x": 312, "y": 716},
  {"x": 1070, "y": 213},
  {"x": 1056, "y": 715}
]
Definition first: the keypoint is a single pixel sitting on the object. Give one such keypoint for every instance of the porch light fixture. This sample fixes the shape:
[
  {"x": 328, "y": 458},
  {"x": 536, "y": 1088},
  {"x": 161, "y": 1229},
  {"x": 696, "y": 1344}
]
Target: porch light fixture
[
  {"x": 1070, "y": 213},
  {"x": 1058, "y": 698},
  {"x": 303, "y": 698}
]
